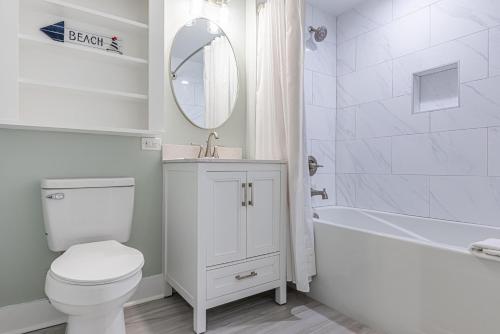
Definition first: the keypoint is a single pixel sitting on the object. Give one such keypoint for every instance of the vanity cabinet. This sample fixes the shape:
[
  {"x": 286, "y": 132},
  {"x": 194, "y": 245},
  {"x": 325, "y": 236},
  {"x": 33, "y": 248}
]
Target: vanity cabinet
[{"x": 224, "y": 231}]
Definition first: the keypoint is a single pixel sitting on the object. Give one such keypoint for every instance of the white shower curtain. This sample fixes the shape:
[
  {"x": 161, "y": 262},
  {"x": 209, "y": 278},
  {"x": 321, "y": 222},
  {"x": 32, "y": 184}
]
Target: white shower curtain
[
  {"x": 280, "y": 122},
  {"x": 220, "y": 81}
]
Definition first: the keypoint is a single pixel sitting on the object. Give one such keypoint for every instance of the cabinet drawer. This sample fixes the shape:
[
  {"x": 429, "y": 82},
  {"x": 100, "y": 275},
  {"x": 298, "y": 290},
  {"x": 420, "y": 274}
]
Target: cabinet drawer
[{"x": 242, "y": 276}]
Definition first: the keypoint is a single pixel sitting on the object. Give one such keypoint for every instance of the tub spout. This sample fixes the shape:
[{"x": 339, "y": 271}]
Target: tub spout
[{"x": 322, "y": 193}]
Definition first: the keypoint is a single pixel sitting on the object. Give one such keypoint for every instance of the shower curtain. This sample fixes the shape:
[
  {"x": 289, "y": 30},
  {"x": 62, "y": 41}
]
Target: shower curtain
[
  {"x": 280, "y": 122},
  {"x": 220, "y": 81}
]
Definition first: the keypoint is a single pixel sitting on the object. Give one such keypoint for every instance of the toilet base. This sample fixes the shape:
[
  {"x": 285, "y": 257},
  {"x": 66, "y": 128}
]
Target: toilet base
[{"x": 111, "y": 323}]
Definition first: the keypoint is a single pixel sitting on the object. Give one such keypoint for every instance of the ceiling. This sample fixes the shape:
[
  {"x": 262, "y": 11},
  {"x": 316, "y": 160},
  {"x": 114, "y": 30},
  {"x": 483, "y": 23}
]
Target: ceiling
[{"x": 334, "y": 7}]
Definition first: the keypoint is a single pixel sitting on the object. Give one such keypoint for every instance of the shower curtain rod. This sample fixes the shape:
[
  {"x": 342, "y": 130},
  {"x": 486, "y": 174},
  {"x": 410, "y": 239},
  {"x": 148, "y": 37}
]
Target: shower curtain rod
[{"x": 174, "y": 72}]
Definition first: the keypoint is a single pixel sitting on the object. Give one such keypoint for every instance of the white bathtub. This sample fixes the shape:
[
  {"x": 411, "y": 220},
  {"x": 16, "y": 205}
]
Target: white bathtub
[{"x": 406, "y": 275}]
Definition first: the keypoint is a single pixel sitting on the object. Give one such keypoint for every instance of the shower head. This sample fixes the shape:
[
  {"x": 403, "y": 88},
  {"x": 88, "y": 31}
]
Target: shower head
[{"x": 320, "y": 33}]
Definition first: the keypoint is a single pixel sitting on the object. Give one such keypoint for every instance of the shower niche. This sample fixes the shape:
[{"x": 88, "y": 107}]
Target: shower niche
[{"x": 436, "y": 89}]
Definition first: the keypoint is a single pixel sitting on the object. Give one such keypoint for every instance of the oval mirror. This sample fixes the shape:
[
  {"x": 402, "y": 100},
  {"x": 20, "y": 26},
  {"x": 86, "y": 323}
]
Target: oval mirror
[{"x": 203, "y": 73}]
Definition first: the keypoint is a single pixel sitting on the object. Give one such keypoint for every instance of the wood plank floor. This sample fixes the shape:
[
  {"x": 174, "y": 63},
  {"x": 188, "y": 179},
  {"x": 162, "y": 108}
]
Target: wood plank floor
[{"x": 255, "y": 315}]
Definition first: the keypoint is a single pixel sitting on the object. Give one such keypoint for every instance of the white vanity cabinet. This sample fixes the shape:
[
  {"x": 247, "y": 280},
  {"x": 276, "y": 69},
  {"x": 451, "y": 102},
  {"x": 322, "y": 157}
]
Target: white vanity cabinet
[{"x": 224, "y": 231}]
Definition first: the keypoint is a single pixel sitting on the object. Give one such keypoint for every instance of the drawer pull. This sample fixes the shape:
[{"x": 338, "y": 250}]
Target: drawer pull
[{"x": 252, "y": 274}]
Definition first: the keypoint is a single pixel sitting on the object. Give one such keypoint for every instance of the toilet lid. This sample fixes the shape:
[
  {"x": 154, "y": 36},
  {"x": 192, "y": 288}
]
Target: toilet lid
[{"x": 97, "y": 263}]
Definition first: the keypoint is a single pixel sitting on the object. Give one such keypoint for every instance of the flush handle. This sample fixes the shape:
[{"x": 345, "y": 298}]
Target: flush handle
[{"x": 57, "y": 196}]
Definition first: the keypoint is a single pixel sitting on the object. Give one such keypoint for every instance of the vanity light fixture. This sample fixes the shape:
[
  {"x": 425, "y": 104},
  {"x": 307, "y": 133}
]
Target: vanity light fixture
[{"x": 218, "y": 2}]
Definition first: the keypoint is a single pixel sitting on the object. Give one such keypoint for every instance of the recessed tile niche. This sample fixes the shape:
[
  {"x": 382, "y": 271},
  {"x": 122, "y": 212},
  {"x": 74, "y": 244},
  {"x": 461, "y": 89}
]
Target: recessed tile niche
[{"x": 436, "y": 89}]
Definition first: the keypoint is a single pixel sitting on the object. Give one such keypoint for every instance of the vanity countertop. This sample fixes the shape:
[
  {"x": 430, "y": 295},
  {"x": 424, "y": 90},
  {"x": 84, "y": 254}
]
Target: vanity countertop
[{"x": 224, "y": 161}]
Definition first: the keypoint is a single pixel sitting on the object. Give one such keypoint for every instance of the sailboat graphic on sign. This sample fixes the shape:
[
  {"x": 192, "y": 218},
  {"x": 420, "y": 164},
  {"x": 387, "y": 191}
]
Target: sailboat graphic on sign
[{"x": 59, "y": 32}]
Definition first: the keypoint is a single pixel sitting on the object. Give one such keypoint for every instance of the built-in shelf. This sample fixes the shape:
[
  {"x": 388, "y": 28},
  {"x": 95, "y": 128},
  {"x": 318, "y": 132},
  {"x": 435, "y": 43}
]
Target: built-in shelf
[
  {"x": 9, "y": 124},
  {"x": 133, "y": 96},
  {"x": 77, "y": 48},
  {"x": 80, "y": 10},
  {"x": 436, "y": 89},
  {"x": 61, "y": 86}
]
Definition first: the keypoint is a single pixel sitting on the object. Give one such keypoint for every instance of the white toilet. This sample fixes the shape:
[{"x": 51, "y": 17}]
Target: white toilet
[{"x": 96, "y": 275}]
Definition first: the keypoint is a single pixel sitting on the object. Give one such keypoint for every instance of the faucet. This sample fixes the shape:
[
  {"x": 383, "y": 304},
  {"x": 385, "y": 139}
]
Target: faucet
[
  {"x": 210, "y": 151},
  {"x": 322, "y": 193}
]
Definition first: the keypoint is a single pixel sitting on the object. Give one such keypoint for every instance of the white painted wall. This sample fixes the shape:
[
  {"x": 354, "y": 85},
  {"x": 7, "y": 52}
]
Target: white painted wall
[{"x": 442, "y": 164}]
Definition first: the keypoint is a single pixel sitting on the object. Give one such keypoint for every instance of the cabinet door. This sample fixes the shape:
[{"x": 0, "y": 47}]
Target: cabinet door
[
  {"x": 226, "y": 217},
  {"x": 263, "y": 212}
]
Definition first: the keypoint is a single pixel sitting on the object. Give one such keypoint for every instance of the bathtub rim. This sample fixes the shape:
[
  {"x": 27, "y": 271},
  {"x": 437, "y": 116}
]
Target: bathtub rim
[{"x": 433, "y": 244}]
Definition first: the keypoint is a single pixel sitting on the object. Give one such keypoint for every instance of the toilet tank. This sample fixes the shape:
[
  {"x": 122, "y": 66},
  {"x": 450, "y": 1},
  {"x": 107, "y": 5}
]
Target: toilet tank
[{"x": 86, "y": 210}]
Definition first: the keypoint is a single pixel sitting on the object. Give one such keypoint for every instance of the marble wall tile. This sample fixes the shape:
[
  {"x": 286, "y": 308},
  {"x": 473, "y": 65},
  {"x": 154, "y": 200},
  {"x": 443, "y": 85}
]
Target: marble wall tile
[
  {"x": 470, "y": 51},
  {"x": 346, "y": 123},
  {"x": 494, "y": 55},
  {"x": 346, "y": 57},
  {"x": 444, "y": 153},
  {"x": 346, "y": 189},
  {"x": 452, "y": 19},
  {"x": 410, "y": 33},
  {"x": 320, "y": 123},
  {"x": 480, "y": 107},
  {"x": 390, "y": 118},
  {"x": 323, "y": 181},
  {"x": 324, "y": 90},
  {"x": 322, "y": 60},
  {"x": 403, "y": 36},
  {"x": 308, "y": 87},
  {"x": 324, "y": 151},
  {"x": 405, "y": 7},
  {"x": 374, "y": 47},
  {"x": 364, "y": 17},
  {"x": 370, "y": 84},
  {"x": 466, "y": 199},
  {"x": 494, "y": 151},
  {"x": 393, "y": 193},
  {"x": 364, "y": 156}
]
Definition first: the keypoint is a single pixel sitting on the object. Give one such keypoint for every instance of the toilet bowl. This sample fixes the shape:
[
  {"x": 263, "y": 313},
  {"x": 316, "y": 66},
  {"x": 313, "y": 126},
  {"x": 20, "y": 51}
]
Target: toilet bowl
[{"x": 91, "y": 282}]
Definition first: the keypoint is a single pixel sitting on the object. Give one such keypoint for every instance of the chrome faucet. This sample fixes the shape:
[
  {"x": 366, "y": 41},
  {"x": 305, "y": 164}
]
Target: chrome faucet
[
  {"x": 322, "y": 193},
  {"x": 210, "y": 151}
]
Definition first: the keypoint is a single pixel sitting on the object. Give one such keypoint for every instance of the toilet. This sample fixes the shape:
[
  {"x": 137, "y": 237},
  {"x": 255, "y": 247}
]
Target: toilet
[{"x": 88, "y": 220}]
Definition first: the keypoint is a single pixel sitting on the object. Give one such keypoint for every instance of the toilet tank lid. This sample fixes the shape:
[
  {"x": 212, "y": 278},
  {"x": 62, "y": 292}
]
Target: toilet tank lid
[{"x": 74, "y": 183}]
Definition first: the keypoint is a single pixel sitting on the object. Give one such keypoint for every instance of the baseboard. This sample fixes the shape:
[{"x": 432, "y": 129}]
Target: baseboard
[{"x": 38, "y": 314}]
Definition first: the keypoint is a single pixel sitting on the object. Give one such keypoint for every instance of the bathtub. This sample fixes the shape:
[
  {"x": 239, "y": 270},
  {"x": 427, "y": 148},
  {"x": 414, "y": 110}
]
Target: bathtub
[{"x": 406, "y": 275}]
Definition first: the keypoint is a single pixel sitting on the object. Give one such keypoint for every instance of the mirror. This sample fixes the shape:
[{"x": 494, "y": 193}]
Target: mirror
[{"x": 203, "y": 73}]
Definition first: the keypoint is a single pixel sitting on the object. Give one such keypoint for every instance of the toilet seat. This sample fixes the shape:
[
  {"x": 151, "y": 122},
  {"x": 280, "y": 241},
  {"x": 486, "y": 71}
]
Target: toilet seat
[{"x": 97, "y": 263}]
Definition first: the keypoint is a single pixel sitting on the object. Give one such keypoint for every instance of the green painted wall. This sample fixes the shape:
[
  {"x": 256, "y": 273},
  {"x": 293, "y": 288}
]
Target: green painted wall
[{"x": 26, "y": 157}]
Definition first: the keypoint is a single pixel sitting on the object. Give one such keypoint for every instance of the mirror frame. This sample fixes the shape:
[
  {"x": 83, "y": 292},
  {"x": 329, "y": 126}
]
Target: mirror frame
[{"x": 170, "y": 78}]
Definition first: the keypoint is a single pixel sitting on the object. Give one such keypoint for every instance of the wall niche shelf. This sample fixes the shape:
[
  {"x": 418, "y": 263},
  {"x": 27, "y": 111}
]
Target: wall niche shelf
[
  {"x": 59, "y": 86},
  {"x": 436, "y": 89},
  {"x": 80, "y": 49}
]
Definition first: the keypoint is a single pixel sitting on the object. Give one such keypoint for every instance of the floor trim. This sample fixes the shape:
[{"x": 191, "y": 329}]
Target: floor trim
[{"x": 38, "y": 314}]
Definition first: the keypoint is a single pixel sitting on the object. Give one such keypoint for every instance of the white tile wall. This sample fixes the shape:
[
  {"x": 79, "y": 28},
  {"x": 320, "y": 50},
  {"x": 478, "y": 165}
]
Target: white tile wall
[
  {"x": 443, "y": 164},
  {"x": 442, "y": 153},
  {"x": 452, "y": 19},
  {"x": 470, "y": 51},
  {"x": 321, "y": 101},
  {"x": 470, "y": 199},
  {"x": 366, "y": 85},
  {"x": 367, "y": 16},
  {"x": 494, "y": 151},
  {"x": 390, "y": 117},
  {"x": 364, "y": 156},
  {"x": 393, "y": 193}
]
